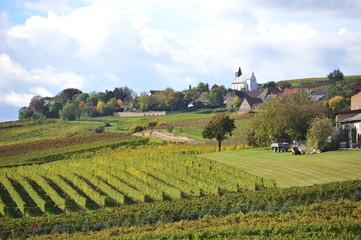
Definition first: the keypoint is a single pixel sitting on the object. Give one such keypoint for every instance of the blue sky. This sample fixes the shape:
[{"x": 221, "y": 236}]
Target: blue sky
[{"x": 94, "y": 45}]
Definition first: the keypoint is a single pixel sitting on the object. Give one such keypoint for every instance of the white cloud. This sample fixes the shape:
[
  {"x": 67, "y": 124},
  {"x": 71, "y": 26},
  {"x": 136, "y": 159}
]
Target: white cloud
[
  {"x": 12, "y": 72},
  {"x": 40, "y": 91},
  {"x": 15, "y": 99}
]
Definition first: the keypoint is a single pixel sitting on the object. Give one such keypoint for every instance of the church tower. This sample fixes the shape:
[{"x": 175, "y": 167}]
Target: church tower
[{"x": 239, "y": 73}]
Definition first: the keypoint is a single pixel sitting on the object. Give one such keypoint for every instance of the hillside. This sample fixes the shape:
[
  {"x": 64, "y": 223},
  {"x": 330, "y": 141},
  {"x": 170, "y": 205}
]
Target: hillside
[{"x": 306, "y": 81}]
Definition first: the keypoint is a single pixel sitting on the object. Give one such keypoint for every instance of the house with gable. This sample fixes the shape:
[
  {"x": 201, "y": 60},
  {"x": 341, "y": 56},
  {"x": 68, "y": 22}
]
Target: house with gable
[
  {"x": 247, "y": 82},
  {"x": 249, "y": 104},
  {"x": 349, "y": 122}
]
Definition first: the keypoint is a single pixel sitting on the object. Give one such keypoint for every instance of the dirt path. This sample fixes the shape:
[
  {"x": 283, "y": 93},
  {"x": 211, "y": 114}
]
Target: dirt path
[{"x": 169, "y": 137}]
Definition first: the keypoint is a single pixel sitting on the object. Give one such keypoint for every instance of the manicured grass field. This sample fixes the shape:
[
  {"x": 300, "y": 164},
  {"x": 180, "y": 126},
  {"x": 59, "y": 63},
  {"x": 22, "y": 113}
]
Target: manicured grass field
[{"x": 289, "y": 170}]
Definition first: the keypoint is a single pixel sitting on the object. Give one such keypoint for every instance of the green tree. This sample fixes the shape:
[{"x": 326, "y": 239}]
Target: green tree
[
  {"x": 190, "y": 95},
  {"x": 92, "y": 101},
  {"x": 55, "y": 109},
  {"x": 25, "y": 113},
  {"x": 283, "y": 84},
  {"x": 216, "y": 97},
  {"x": 70, "y": 111},
  {"x": 219, "y": 127},
  {"x": 202, "y": 87},
  {"x": 321, "y": 133},
  {"x": 345, "y": 88},
  {"x": 269, "y": 84},
  {"x": 285, "y": 117},
  {"x": 335, "y": 76},
  {"x": 81, "y": 97},
  {"x": 148, "y": 102},
  {"x": 237, "y": 103}
]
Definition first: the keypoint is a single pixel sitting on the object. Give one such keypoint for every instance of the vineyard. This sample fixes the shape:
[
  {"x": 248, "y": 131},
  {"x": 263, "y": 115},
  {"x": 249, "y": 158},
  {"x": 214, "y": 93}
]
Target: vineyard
[
  {"x": 81, "y": 184},
  {"x": 66, "y": 148},
  {"x": 314, "y": 211},
  {"x": 60, "y": 181},
  {"x": 26, "y": 131}
]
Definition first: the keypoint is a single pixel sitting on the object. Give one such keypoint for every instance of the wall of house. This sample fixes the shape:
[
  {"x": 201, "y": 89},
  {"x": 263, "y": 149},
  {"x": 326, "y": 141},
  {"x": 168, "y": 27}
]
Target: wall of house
[
  {"x": 356, "y": 101},
  {"x": 245, "y": 107}
]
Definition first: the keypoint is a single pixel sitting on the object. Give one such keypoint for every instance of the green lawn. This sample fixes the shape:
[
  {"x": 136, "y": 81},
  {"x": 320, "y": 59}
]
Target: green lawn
[{"x": 289, "y": 170}]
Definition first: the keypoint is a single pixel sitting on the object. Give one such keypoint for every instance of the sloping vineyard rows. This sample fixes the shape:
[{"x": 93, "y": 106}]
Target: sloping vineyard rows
[
  {"x": 279, "y": 202},
  {"x": 53, "y": 154},
  {"x": 330, "y": 220},
  {"x": 140, "y": 178},
  {"x": 22, "y": 148}
]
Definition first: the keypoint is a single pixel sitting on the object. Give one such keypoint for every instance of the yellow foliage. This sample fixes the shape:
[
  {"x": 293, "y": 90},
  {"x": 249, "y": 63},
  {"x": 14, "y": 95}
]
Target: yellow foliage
[
  {"x": 334, "y": 101},
  {"x": 162, "y": 123},
  {"x": 99, "y": 105}
]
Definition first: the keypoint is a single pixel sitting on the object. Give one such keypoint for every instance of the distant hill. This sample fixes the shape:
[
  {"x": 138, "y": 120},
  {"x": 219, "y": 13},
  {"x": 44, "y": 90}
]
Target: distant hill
[{"x": 304, "y": 81}]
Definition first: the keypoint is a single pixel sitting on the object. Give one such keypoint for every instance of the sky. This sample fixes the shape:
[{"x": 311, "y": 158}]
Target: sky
[{"x": 97, "y": 45}]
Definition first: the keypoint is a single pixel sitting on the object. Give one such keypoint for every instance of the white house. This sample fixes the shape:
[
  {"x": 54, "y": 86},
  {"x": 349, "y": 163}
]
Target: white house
[{"x": 246, "y": 82}]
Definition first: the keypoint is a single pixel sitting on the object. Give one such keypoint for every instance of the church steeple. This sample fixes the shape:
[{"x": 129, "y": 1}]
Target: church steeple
[{"x": 239, "y": 73}]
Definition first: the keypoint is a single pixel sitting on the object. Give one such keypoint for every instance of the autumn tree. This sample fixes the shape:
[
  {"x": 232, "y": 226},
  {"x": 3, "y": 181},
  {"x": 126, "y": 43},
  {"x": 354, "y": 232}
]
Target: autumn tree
[
  {"x": 37, "y": 104},
  {"x": 339, "y": 103},
  {"x": 67, "y": 94},
  {"x": 219, "y": 127}
]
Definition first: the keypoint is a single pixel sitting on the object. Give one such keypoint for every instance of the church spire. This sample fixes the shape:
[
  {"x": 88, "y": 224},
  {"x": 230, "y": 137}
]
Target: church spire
[{"x": 239, "y": 73}]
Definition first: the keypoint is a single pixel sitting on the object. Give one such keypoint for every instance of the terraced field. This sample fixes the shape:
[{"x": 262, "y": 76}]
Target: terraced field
[{"x": 289, "y": 170}]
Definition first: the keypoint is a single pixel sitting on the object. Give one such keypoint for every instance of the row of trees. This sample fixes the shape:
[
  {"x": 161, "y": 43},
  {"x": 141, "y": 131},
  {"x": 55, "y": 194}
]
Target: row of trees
[{"x": 72, "y": 103}]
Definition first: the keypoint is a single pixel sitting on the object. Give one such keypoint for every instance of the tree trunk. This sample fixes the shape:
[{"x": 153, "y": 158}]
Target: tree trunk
[{"x": 219, "y": 145}]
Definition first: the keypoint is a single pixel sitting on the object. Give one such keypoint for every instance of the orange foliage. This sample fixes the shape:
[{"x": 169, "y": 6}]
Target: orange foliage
[
  {"x": 81, "y": 104},
  {"x": 99, "y": 105},
  {"x": 121, "y": 103}
]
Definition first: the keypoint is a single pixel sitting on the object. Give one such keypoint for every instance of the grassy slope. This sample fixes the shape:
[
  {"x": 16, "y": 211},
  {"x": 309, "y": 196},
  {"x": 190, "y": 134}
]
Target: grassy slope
[{"x": 289, "y": 170}]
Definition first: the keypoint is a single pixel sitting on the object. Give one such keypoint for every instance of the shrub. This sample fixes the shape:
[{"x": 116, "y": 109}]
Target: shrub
[
  {"x": 136, "y": 128},
  {"x": 320, "y": 134}
]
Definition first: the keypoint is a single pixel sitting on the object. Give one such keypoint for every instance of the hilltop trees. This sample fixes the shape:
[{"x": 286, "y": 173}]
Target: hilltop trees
[
  {"x": 72, "y": 103},
  {"x": 219, "y": 127},
  {"x": 335, "y": 76}
]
